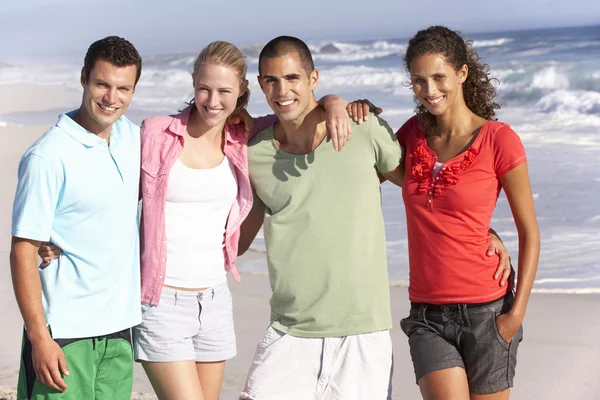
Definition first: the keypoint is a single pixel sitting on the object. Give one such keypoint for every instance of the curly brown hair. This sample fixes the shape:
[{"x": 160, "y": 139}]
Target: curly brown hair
[{"x": 478, "y": 90}]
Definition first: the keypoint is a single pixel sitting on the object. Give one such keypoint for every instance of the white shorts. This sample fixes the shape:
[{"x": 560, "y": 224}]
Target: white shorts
[
  {"x": 354, "y": 367},
  {"x": 187, "y": 325}
]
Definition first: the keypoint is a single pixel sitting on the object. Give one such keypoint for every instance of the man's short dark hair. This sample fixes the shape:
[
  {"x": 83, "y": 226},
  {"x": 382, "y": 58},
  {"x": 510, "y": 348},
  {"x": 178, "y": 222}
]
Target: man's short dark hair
[
  {"x": 116, "y": 51},
  {"x": 284, "y": 45}
]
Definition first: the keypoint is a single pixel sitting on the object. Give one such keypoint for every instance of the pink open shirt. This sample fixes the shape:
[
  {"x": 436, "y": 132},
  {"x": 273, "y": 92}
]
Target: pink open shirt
[{"x": 162, "y": 144}]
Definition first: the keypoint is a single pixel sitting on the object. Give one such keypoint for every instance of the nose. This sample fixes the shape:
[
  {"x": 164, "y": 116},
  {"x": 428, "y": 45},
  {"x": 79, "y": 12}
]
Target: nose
[
  {"x": 111, "y": 95},
  {"x": 282, "y": 88},
  {"x": 213, "y": 99},
  {"x": 429, "y": 88}
]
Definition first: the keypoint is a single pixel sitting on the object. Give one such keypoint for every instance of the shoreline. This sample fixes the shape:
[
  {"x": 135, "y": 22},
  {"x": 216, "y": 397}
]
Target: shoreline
[{"x": 558, "y": 357}]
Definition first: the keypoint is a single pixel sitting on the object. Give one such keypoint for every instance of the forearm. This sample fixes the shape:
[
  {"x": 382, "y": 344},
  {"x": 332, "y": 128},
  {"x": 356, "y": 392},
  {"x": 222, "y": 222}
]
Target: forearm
[
  {"x": 529, "y": 250},
  {"x": 249, "y": 229},
  {"x": 28, "y": 289}
]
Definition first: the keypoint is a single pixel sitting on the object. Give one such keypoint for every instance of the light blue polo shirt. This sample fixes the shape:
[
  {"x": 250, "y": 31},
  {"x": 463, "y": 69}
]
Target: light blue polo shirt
[{"x": 80, "y": 194}]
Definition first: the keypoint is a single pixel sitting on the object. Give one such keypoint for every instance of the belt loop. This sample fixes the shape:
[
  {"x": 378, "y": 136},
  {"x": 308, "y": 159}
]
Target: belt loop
[
  {"x": 422, "y": 312},
  {"x": 464, "y": 314},
  {"x": 213, "y": 294},
  {"x": 176, "y": 297}
]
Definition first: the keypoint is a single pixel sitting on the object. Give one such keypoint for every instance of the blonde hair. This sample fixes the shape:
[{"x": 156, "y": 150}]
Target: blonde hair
[{"x": 225, "y": 54}]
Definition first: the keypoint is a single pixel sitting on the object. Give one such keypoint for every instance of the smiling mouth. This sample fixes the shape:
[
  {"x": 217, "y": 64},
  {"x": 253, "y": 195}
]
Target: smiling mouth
[
  {"x": 435, "y": 101},
  {"x": 212, "y": 111},
  {"x": 285, "y": 103},
  {"x": 107, "y": 108}
]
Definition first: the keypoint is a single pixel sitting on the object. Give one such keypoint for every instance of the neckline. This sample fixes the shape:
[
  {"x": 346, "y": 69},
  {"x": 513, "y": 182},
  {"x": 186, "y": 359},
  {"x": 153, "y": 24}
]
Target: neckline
[
  {"x": 474, "y": 144},
  {"x": 178, "y": 161},
  {"x": 277, "y": 148}
]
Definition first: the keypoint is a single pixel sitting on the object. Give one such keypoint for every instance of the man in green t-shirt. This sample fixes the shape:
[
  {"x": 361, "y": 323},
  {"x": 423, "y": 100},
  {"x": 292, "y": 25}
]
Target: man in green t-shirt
[{"x": 326, "y": 250}]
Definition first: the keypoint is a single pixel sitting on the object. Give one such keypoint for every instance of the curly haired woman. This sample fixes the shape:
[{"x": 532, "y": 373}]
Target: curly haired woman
[{"x": 464, "y": 329}]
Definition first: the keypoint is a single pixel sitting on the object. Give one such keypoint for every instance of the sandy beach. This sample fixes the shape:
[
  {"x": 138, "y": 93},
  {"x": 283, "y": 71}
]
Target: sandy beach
[{"x": 559, "y": 358}]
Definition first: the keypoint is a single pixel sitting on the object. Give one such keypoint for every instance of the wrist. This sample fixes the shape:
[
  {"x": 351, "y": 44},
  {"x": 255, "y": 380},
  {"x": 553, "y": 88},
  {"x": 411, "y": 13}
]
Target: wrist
[{"x": 38, "y": 334}]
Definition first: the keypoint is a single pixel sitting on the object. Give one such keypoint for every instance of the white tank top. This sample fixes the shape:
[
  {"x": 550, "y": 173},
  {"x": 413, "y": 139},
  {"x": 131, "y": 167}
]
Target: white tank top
[{"x": 198, "y": 204}]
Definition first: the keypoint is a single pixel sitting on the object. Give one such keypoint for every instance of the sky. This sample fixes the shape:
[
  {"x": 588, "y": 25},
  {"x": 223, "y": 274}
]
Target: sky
[{"x": 53, "y": 29}]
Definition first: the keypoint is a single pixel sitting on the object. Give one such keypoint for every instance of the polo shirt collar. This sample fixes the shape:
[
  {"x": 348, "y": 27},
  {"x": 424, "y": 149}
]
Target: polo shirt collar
[{"x": 82, "y": 135}]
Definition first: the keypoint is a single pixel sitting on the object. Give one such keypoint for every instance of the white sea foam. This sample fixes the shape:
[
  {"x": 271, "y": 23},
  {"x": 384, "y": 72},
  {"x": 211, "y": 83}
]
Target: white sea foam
[
  {"x": 350, "y": 52},
  {"x": 346, "y": 77},
  {"x": 567, "y": 291},
  {"x": 550, "y": 78},
  {"x": 491, "y": 43},
  {"x": 563, "y": 101}
]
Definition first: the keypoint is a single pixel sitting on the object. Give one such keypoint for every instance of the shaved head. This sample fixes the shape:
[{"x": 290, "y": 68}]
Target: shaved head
[{"x": 282, "y": 46}]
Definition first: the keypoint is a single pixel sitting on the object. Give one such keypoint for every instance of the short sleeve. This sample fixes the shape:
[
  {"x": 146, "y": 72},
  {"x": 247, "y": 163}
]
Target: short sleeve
[
  {"x": 406, "y": 129},
  {"x": 263, "y": 123},
  {"x": 509, "y": 152},
  {"x": 38, "y": 191},
  {"x": 387, "y": 149}
]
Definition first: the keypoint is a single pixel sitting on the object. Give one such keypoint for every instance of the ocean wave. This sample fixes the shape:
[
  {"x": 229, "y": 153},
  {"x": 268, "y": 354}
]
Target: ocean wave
[
  {"x": 550, "y": 78},
  {"x": 5, "y": 124},
  {"x": 351, "y": 52},
  {"x": 574, "y": 102},
  {"x": 344, "y": 77},
  {"x": 491, "y": 43},
  {"x": 566, "y": 291},
  {"x": 340, "y": 52}
]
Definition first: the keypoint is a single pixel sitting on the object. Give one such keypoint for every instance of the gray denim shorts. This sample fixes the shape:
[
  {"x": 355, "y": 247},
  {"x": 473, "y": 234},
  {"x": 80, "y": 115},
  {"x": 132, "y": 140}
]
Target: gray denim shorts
[
  {"x": 466, "y": 336},
  {"x": 187, "y": 325}
]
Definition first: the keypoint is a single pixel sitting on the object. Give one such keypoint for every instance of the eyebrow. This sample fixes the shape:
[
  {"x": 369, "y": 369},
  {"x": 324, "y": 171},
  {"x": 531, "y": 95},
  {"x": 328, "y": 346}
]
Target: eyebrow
[
  {"x": 208, "y": 87},
  {"x": 288, "y": 76},
  {"x": 103, "y": 82}
]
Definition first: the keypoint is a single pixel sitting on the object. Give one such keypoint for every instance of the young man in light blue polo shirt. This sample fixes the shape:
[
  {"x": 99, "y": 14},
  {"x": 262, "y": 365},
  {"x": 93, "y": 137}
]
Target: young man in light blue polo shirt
[{"x": 78, "y": 188}]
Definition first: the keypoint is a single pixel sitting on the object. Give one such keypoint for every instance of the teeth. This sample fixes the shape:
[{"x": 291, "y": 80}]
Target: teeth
[
  {"x": 212, "y": 111},
  {"x": 285, "y": 103},
  {"x": 106, "y": 108},
  {"x": 435, "y": 102}
]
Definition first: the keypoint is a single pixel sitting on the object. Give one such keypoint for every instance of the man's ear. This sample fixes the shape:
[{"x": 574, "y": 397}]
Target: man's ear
[
  {"x": 260, "y": 83},
  {"x": 82, "y": 78},
  {"x": 314, "y": 78}
]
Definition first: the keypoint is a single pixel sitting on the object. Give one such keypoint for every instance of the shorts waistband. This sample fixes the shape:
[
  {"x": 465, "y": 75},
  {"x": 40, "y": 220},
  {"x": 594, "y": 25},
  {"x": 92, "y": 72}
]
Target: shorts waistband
[{"x": 442, "y": 307}]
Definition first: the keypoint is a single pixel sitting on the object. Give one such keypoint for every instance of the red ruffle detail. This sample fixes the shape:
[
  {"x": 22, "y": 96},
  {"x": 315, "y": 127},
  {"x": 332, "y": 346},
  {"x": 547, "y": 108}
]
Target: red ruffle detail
[{"x": 423, "y": 162}]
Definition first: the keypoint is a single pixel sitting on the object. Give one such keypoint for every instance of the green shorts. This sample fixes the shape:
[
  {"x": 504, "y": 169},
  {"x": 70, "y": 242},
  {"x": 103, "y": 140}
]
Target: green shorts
[{"x": 100, "y": 368}]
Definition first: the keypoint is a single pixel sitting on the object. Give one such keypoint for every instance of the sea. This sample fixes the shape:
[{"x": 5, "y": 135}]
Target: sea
[{"x": 548, "y": 83}]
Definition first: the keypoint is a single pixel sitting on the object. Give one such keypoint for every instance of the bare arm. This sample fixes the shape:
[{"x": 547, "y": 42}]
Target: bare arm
[
  {"x": 250, "y": 228},
  {"x": 518, "y": 192},
  {"x": 48, "y": 358},
  {"x": 27, "y": 286}
]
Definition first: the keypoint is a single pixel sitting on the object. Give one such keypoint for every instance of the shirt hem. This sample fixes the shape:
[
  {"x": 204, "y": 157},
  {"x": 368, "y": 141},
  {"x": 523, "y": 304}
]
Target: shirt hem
[
  {"x": 25, "y": 234},
  {"x": 459, "y": 300},
  {"x": 59, "y": 333},
  {"x": 337, "y": 333}
]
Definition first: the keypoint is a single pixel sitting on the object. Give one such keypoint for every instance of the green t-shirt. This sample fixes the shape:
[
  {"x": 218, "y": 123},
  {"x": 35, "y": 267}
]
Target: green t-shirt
[{"x": 324, "y": 231}]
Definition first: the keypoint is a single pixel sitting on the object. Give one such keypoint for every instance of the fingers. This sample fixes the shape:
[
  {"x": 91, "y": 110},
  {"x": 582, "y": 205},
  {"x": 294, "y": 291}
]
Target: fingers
[
  {"x": 51, "y": 377},
  {"x": 54, "y": 248},
  {"x": 333, "y": 134},
  {"x": 491, "y": 249},
  {"x": 505, "y": 276},
  {"x": 62, "y": 364},
  {"x": 57, "y": 379},
  {"x": 504, "y": 268}
]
